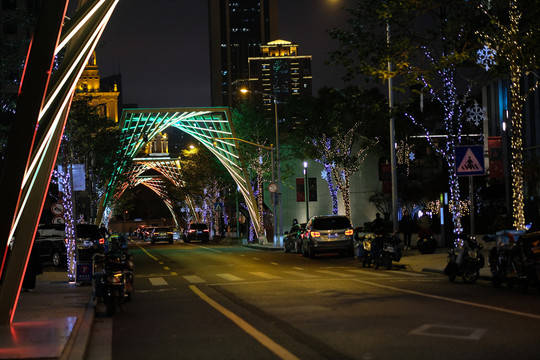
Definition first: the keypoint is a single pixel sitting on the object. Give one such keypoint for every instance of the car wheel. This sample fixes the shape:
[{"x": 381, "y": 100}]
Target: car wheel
[
  {"x": 187, "y": 241},
  {"x": 170, "y": 241},
  {"x": 286, "y": 248},
  {"x": 57, "y": 259}
]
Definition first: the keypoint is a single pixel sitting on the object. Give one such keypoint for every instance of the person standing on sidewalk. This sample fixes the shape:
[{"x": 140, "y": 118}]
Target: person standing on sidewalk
[
  {"x": 406, "y": 226},
  {"x": 33, "y": 268}
]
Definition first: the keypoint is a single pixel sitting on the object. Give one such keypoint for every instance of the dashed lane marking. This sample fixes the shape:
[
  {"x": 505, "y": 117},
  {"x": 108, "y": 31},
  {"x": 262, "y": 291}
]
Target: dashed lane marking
[
  {"x": 230, "y": 277},
  {"x": 334, "y": 273},
  {"x": 194, "y": 279},
  {"x": 407, "y": 273},
  {"x": 158, "y": 281},
  {"x": 367, "y": 272},
  {"x": 266, "y": 275},
  {"x": 301, "y": 274}
]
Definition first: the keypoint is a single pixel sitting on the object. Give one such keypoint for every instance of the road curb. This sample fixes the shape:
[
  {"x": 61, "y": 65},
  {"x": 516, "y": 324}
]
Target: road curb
[{"x": 77, "y": 346}]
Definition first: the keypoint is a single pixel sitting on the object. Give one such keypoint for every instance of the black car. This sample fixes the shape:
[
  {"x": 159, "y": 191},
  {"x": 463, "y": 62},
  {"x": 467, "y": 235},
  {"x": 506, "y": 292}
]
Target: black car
[
  {"x": 162, "y": 234},
  {"x": 197, "y": 231},
  {"x": 51, "y": 242},
  {"x": 326, "y": 234},
  {"x": 293, "y": 239}
]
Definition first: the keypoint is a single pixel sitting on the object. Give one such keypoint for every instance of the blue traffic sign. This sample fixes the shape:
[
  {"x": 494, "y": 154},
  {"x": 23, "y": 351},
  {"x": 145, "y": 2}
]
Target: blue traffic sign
[{"x": 469, "y": 160}]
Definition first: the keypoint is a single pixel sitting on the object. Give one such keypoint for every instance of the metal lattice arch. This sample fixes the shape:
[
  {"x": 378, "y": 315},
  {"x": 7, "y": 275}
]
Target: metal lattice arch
[{"x": 211, "y": 126}]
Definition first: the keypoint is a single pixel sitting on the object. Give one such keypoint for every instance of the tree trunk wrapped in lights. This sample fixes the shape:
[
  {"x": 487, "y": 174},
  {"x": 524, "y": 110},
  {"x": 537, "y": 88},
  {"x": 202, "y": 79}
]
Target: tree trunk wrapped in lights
[{"x": 517, "y": 48}]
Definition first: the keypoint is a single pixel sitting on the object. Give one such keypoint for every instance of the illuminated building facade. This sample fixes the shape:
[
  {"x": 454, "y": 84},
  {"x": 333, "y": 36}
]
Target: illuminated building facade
[
  {"x": 89, "y": 85},
  {"x": 237, "y": 30},
  {"x": 280, "y": 72}
]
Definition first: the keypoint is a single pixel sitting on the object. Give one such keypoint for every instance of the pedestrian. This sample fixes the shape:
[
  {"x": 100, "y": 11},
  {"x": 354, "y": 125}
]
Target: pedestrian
[
  {"x": 406, "y": 227},
  {"x": 377, "y": 225},
  {"x": 33, "y": 268}
]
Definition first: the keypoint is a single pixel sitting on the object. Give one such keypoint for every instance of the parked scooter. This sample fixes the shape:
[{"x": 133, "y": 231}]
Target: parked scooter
[
  {"x": 114, "y": 284},
  {"x": 384, "y": 250},
  {"x": 515, "y": 259},
  {"x": 465, "y": 261},
  {"x": 363, "y": 249}
]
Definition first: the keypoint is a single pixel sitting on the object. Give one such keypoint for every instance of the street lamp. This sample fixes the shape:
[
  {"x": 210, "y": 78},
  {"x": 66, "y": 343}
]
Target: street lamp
[
  {"x": 306, "y": 190},
  {"x": 277, "y": 195}
]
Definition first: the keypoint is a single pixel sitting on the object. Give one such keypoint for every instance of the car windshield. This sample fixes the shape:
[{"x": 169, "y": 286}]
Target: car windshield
[
  {"x": 162, "y": 229},
  {"x": 329, "y": 223},
  {"x": 198, "y": 226}
]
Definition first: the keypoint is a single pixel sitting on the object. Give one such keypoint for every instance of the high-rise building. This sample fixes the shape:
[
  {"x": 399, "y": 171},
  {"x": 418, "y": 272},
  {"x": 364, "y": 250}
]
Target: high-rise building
[
  {"x": 280, "y": 72},
  {"x": 237, "y": 30}
]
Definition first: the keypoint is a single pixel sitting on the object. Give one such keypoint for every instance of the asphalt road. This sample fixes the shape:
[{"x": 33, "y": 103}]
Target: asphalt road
[{"x": 203, "y": 301}]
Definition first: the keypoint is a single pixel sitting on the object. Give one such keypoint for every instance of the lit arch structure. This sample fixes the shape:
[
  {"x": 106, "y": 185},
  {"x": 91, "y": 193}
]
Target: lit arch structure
[
  {"x": 211, "y": 126},
  {"x": 168, "y": 169}
]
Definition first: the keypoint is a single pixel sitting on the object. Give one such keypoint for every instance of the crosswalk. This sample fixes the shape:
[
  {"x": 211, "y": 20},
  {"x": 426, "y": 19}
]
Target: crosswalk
[{"x": 293, "y": 274}]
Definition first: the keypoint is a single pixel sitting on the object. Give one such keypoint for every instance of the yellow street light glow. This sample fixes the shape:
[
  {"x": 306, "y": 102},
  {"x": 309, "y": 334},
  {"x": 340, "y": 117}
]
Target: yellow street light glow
[{"x": 244, "y": 90}]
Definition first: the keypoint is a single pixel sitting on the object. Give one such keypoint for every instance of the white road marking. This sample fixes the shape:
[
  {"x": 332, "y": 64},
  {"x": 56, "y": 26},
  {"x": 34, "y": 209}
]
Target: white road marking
[
  {"x": 407, "y": 273},
  {"x": 457, "y": 301},
  {"x": 334, "y": 273},
  {"x": 301, "y": 274},
  {"x": 456, "y": 332},
  {"x": 274, "y": 263},
  {"x": 194, "y": 279},
  {"x": 230, "y": 277},
  {"x": 266, "y": 275},
  {"x": 159, "y": 281},
  {"x": 367, "y": 272}
]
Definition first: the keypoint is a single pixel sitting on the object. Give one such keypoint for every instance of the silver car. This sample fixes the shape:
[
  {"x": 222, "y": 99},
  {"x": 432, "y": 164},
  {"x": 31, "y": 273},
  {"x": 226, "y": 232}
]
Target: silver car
[{"x": 328, "y": 234}]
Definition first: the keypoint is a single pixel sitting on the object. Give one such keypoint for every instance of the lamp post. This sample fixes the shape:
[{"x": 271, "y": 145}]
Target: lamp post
[
  {"x": 306, "y": 190},
  {"x": 277, "y": 195}
]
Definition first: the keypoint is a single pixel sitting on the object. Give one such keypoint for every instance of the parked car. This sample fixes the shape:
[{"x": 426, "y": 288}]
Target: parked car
[
  {"x": 161, "y": 234},
  {"x": 51, "y": 242},
  {"x": 326, "y": 234},
  {"x": 197, "y": 231},
  {"x": 293, "y": 239}
]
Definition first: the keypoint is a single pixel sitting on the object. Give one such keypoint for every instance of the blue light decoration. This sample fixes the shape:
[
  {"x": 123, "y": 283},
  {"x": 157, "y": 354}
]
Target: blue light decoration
[
  {"x": 486, "y": 57},
  {"x": 454, "y": 108},
  {"x": 326, "y": 174}
]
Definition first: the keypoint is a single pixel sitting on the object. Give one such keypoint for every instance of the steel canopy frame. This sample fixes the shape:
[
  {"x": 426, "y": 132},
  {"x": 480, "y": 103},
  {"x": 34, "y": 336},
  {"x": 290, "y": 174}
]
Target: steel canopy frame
[{"x": 211, "y": 126}]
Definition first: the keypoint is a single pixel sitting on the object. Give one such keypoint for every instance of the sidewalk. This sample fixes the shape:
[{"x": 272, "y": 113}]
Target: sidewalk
[
  {"x": 56, "y": 320},
  {"x": 53, "y": 321}
]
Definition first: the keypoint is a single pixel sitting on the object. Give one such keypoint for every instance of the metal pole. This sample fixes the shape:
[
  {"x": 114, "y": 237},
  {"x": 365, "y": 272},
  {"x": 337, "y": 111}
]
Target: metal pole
[
  {"x": 306, "y": 190},
  {"x": 278, "y": 197},
  {"x": 471, "y": 213},
  {"x": 392, "y": 141}
]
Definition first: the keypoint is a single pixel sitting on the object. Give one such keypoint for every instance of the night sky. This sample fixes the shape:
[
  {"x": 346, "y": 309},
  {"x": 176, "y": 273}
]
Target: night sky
[{"x": 161, "y": 49}]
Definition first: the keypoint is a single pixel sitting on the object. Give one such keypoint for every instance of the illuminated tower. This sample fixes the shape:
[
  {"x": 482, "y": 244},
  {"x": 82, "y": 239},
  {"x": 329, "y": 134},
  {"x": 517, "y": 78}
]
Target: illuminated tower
[
  {"x": 89, "y": 85},
  {"x": 237, "y": 30}
]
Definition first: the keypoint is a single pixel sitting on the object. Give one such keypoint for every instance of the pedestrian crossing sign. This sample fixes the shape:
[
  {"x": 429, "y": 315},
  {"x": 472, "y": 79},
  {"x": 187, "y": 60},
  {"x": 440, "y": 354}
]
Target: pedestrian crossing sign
[{"x": 469, "y": 160}]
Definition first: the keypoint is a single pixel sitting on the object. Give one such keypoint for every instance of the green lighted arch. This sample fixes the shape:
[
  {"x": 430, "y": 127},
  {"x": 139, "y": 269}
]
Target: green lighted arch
[{"x": 211, "y": 126}]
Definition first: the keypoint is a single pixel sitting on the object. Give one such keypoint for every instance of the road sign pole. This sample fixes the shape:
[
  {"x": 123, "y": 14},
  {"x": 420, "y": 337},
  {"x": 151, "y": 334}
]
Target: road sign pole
[{"x": 471, "y": 213}]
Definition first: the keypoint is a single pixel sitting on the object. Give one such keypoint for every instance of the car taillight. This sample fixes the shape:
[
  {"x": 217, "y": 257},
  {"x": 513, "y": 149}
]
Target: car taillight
[
  {"x": 315, "y": 234},
  {"x": 191, "y": 230},
  {"x": 349, "y": 232},
  {"x": 206, "y": 230},
  {"x": 101, "y": 241}
]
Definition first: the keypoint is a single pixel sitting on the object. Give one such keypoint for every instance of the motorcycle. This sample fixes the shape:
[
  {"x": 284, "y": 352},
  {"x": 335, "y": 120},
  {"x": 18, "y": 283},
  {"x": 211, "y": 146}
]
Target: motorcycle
[
  {"x": 465, "y": 261},
  {"x": 114, "y": 283},
  {"x": 516, "y": 259},
  {"x": 384, "y": 250},
  {"x": 363, "y": 249}
]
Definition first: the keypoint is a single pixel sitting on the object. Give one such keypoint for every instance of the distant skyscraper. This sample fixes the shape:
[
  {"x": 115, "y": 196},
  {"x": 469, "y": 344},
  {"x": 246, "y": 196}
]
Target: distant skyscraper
[
  {"x": 279, "y": 72},
  {"x": 237, "y": 30}
]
